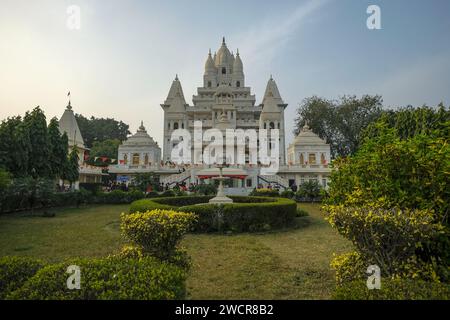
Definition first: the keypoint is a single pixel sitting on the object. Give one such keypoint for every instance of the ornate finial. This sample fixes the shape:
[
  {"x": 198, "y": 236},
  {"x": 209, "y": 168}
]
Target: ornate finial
[
  {"x": 69, "y": 107},
  {"x": 271, "y": 78},
  {"x": 237, "y": 51},
  {"x": 223, "y": 41},
  {"x": 209, "y": 51},
  {"x": 142, "y": 128},
  {"x": 306, "y": 126},
  {"x": 176, "y": 77}
]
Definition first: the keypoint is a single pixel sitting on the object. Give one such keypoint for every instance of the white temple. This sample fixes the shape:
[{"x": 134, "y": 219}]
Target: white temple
[
  {"x": 138, "y": 154},
  {"x": 68, "y": 124},
  {"x": 225, "y": 102}
]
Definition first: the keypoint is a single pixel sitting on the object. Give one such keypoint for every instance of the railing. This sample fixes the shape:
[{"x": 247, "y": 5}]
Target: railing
[
  {"x": 174, "y": 178},
  {"x": 274, "y": 179}
]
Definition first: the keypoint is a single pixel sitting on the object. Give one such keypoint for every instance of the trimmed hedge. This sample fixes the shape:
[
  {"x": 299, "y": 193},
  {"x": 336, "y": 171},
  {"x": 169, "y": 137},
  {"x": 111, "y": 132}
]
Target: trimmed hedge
[
  {"x": 245, "y": 214},
  {"x": 103, "y": 279},
  {"x": 157, "y": 232},
  {"x": 265, "y": 192},
  {"x": 15, "y": 271},
  {"x": 394, "y": 289}
]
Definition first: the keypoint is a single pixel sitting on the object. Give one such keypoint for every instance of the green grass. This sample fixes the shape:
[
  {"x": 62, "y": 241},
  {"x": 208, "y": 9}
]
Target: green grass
[
  {"x": 289, "y": 264},
  {"x": 92, "y": 231}
]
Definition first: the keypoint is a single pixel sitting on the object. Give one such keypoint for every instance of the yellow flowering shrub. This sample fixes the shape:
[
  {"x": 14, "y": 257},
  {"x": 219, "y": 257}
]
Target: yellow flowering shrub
[
  {"x": 394, "y": 289},
  {"x": 112, "y": 278},
  {"x": 387, "y": 238},
  {"x": 157, "y": 232},
  {"x": 348, "y": 267}
]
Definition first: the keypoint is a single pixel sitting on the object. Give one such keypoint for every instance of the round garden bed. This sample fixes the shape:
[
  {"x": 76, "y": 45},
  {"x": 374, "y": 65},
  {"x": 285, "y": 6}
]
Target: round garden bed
[{"x": 243, "y": 215}]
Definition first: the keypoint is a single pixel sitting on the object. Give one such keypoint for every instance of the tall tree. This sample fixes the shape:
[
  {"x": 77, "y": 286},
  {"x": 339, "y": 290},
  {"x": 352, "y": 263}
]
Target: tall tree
[
  {"x": 340, "y": 122},
  {"x": 71, "y": 171},
  {"x": 14, "y": 146},
  {"x": 101, "y": 129},
  {"x": 58, "y": 148},
  {"x": 36, "y": 125}
]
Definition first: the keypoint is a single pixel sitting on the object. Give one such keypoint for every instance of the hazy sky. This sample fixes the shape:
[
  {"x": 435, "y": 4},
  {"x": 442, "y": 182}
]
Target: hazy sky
[{"x": 122, "y": 61}]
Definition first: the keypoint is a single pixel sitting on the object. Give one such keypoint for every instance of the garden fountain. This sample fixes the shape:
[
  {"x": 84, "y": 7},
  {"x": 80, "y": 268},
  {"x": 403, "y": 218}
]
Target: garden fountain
[{"x": 220, "y": 198}]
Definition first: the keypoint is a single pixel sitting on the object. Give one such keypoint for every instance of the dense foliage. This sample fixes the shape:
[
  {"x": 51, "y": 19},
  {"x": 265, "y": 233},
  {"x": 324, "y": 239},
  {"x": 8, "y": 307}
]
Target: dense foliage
[
  {"x": 387, "y": 238},
  {"x": 339, "y": 122},
  {"x": 394, "y": 289},
  {"x": 308, "y": 191},
  {"x": 15, "y": 271},
  {"x": 28, "y": 147},
  {"x": 205, "y": 189},
  {"x": 101, "y": 129},
  {"x": 107, "y": 279},
  {"x": 409, "y": 122},
  {"x": 28, "y": 194},
  {"x": 107, "y": 148},
  {"x": 391, "y": 198},
  {"x": 156, "y": 232}
]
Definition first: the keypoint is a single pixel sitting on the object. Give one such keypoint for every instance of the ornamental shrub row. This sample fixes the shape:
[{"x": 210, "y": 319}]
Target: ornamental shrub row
[
  {"x": 393, "y": 289},
  {"x": 15, "y": 271},
  {"x": 245, "y": 214},
  {"x": 387, "y": 238},
  {"x": 109, "y": 278},
  {"x": 265, "y": 192}
]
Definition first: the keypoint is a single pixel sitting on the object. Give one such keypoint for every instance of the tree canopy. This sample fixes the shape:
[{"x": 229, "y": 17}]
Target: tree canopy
[
  {"x": 339, "y": 122},
  {"x": 107, "y": 148},
  {"x": 29, "y": 148},
  {"x": 101, "y": 129}
]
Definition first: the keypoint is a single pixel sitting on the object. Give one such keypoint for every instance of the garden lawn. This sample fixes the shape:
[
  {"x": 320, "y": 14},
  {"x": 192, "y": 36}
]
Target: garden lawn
[{"x": 289, "y": 264}]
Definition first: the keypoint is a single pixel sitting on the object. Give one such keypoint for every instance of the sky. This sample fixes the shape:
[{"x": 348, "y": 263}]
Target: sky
[{"x": 122, "y": 60}]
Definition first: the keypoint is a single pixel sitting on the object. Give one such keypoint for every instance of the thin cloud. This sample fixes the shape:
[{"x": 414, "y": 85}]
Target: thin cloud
[{"x": 261, "y": 43}]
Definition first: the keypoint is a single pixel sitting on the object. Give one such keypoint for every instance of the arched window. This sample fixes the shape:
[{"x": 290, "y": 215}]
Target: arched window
[
  {"x": 146, "y": 159},
  {"x": 312, "y": 158},
  {"x": 238, "y": 84},
  {"x": 168, "y": 125},
  {"x": 224, "y": 70},
  {"x": 322, "y": 158},
  {"x": 278, "y": 125},
  {"x": 135, "y": 159},
  {"x": 302, "y": 159},
  {"x": 265, "y": 125},
  {"x": 272, "y": 125},
  {"x": 175, "y": 126},
  {"x": 209, "y": 84},
  {"x": 125, "y": 158},
  {"x": 182, "y": 125}
]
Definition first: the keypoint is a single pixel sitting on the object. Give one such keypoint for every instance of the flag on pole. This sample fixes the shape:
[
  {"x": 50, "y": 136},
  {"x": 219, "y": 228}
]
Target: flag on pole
[{"x": 68, "y": 94}]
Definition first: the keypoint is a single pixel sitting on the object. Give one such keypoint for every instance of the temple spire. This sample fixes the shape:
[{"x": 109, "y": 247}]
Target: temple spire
[{"x": 69, "y": 107}]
